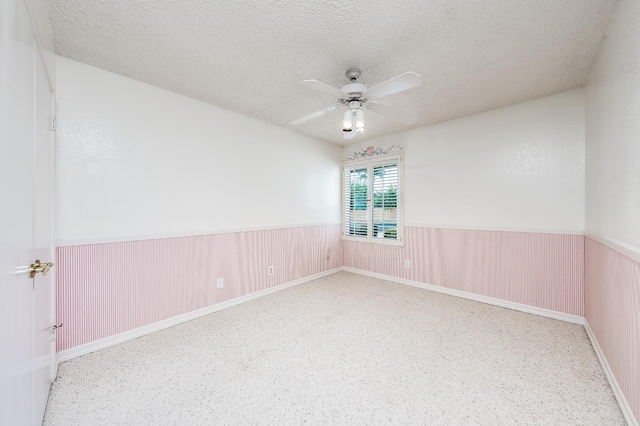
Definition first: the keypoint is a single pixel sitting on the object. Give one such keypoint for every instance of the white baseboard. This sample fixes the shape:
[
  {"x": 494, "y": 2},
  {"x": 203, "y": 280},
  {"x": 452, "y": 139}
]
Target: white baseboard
[
  {"x": 170, "y": 322},
  {"x": 574, "y": 319},
  {"x": 615, "y": 387}
]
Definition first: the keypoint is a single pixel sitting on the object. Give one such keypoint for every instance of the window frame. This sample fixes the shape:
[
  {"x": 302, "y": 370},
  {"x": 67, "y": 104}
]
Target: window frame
[{"x": 370, "y": 163}]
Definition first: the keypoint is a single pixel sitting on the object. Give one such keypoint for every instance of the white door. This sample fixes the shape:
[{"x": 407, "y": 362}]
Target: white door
[
  {"x": 44, "y": 286},
  {"x": 16, "y": 215},
  {"x": 26, "y": 304}
]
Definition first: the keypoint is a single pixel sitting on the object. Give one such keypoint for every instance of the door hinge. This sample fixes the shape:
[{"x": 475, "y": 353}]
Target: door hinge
[
  {"x": 54, "y": 330},
  {"x": 53, "y": 124}
]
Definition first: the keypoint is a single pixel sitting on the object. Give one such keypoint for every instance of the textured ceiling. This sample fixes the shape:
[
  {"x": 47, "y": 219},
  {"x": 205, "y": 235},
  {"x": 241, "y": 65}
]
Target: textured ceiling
[{"x": 250, "y": 55}]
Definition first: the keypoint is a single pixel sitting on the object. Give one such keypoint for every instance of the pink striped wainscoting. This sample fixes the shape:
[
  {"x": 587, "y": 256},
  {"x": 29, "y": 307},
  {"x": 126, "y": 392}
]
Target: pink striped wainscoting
[
  {"x": 106, "y": 289},
  {"x": 612, "y": 309},
  {"x": 536, "y": 269}
]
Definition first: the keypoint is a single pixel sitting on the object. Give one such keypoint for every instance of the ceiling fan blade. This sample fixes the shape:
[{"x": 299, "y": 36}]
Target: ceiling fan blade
[
  {"x": 314, "y": 115},
  {"x": 405, "y": 81},
  {"x": 405, "y": 117},
  {"x": 350, "y": 135},
  {"x": 324, "y": 87}
]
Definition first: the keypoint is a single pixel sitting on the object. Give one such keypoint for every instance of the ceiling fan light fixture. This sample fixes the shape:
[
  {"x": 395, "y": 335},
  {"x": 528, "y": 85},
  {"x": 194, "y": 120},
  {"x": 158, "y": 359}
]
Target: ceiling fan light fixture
[
  {"x": 347, "y": 122},
  {"x": 356, "y": 96}
]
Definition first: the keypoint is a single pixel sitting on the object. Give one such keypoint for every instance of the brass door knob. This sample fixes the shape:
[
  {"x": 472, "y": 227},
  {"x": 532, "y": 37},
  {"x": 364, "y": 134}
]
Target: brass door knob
[{"x": 38, "y": 267}]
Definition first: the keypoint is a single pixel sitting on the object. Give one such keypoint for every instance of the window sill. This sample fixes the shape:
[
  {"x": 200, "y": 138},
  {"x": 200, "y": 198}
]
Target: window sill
[{"x": 381, "y": 242}]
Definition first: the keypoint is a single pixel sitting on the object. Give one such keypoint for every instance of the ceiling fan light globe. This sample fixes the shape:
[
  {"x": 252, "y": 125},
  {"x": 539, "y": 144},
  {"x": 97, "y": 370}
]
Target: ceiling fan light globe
[
  {"x": 346, "y": 130},
  {"x": 360, "y": 130},
  {"x": 359, "y": 119},
  {"x": 347, "y": 123}
]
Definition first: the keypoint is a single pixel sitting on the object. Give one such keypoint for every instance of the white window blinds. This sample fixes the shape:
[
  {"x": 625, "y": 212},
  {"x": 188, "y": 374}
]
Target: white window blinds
[
  {"x": 384, "y": 215},
  {"x": 356, "y": 191}
]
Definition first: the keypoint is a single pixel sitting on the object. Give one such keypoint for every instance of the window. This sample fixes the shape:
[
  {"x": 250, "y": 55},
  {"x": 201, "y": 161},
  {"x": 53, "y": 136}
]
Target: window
[{"x": 372, "y": 200}]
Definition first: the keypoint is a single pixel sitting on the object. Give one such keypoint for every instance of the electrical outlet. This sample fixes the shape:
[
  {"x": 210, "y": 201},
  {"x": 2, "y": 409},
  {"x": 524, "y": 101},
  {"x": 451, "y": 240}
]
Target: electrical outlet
[
  {"x": 270, "y": 272},
  {"x": 220, "y": 282},
  {"x": 407, "y": 263}
]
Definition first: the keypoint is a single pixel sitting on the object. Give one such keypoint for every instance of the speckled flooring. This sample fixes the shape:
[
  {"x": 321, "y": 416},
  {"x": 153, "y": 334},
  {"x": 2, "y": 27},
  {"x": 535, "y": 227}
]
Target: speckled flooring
[{"x": 344, "y": 349}]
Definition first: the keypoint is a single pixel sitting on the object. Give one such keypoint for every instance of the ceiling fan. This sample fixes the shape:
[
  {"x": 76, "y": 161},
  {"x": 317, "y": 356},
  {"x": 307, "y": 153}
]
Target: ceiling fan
[{"x": 357, "y": 97}]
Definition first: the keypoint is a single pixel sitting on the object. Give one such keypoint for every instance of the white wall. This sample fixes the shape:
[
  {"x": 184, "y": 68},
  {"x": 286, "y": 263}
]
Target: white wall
[
  {"x": 613, "y": 132},
  {"x": 138, "y": 161},
  {"x": 514, "y": 168}
]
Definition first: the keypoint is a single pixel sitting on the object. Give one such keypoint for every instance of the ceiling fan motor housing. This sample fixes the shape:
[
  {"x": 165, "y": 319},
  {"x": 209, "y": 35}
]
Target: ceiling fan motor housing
[{"x": 354, "y": 90}]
